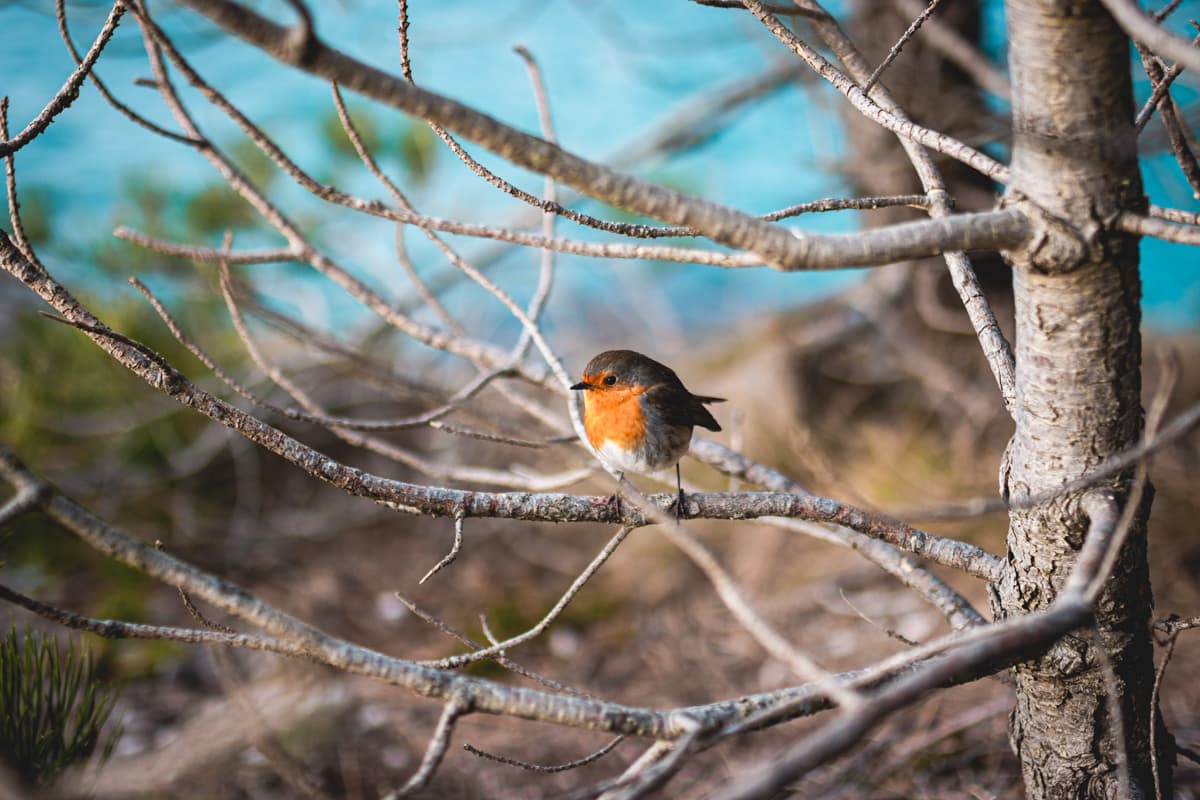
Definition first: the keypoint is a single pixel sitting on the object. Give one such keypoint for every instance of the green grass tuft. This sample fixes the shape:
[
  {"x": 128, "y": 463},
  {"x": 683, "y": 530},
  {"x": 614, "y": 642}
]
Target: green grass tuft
[{"x": 52, "y": 706}]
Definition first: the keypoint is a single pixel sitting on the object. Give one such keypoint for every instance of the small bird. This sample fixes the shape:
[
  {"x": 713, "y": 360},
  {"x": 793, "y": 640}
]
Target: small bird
[{"x": 638, "y": 414}]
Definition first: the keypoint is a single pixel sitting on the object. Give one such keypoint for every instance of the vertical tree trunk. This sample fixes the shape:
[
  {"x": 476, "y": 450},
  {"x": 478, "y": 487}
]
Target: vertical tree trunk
[{"x": 1078, "y": 351}]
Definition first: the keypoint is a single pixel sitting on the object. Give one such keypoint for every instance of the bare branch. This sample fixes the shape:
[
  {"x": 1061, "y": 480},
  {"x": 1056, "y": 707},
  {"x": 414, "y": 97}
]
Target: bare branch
[
  {"x": 938, "y": 142},
  {"x": 774, "y": 8},
  {"x": 961, "y": 52},
  {"x": 778, "y": 248},
  {"x": 1171, "y": 118},
  {"x": 525, "y": 765},
  {"x": 1174, "y": 215},
  {"x": 580, "y": 581},
  {"x": 996, "y": 348},
  {"x": 436, "y": 751},
  {"x": 500, "y": 659},
  {"x": 984, "y": 230},
  {"x": 1155, "y": 712},
  {"x": 60, "y": 12},
  {"x": 1130, "y": 222},
  {"x": 1031, "y": 636},
  {"x": 115, "y": 629},
  {"x": 1156, "y": 96},
  {"x": 70, "y": 90},
  {"x": 1146, "y": 30},
  {"x": 448, "y": 559},
  {"x": 208, "y": 254},
  {"x": 10, "y": 185},
  {"x": 899, "y": 45}
]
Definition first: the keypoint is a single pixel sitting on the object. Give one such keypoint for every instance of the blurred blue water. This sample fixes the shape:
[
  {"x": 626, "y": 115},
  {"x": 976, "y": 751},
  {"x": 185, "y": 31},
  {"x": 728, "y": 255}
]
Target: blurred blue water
[{"x": 612, "y": 70}]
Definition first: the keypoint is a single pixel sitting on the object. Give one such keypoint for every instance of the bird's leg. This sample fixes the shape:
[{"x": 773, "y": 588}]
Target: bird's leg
[
  {"x": 615, "y": 498},
  {"x": 678, "y": 500}
]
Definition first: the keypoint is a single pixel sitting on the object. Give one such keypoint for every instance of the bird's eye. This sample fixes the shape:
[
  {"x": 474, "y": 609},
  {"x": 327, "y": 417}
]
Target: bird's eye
[{"x": 610, "y": 380}]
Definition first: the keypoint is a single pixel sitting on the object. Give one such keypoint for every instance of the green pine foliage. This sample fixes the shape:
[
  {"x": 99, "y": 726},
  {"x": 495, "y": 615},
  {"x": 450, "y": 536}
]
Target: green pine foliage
[{"x": 52, "y": 706}]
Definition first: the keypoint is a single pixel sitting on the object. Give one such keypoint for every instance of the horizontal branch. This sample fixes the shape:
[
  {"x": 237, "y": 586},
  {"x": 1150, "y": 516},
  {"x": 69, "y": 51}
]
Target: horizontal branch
[
  {"x": 609, "y": 250},
  {"x": 117, "y": 629},
  {"x": 1158, "y": 228},
  {"x": 1173, "y": 214},
  {"x": 776, "y": 246},
  {"x": 985, "y": 230},
  {"x": 1013, "y": 639},
  {"x": 1003, "y": 642},
  {"x": 482, "y": 695},
  {"x": 293, "y": 637},
  {"x": 272, "y": 255},
  {"x": 445, "y": 502}
]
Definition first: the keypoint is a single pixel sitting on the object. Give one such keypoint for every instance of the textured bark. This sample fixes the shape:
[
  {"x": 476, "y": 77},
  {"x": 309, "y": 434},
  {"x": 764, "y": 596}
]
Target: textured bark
[{"x": 1078, "y": 360}]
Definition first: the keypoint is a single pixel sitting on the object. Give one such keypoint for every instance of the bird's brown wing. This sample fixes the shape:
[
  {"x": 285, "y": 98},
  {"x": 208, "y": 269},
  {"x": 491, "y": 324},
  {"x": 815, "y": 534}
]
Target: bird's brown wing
[
  {"x": 700, "y": 415},
  {"x": 677, "y": 406}
]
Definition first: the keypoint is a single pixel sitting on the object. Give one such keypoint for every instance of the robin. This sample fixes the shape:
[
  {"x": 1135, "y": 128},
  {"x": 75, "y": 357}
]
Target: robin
[{"x": 638, "y": 414}]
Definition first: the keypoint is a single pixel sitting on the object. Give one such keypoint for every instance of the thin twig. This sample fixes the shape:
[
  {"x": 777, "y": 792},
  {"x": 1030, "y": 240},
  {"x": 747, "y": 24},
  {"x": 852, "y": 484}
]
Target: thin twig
[
  {"x": 1184, "y": 423},
  {"x": 1145, "y": 29},
  {"x": 448, "y": 559},
  {"x": 960, "y": 51},
  {"x": 899, "y": 45},
  {"x": 1116, "y": 716},
  {"x": 1156, "y": 711},
  {"x": 416, "y": 421},
  {"x": 436, "y": 751},
  {"x": 10, "y": 184},
  {"x": 546, "y": 272},
  {"x": 779, "y": 248},
  {"x": 116, "y": 629},
  {"x": 774, "y": 8},
  {"x": 1171, "y": 118},
  {"x": 535, "y": 444},
  {"x": 550, "y": 768},
  {"x": 70, "y": 90},
  {"x": 502, "y": 660},
  {"x": 996, "y": 348},
  {"x": 454, "y": 662},
  {"x": 60, "y": 12}
]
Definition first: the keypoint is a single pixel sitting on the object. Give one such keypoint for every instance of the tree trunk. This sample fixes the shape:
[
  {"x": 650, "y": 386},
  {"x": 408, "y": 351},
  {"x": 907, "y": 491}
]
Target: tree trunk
[{"x": 1078, "y": 358}]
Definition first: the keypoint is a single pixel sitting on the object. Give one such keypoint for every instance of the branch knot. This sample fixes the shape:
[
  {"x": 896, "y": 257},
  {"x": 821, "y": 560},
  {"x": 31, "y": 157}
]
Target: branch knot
[{"x": 1055, "y": 246}]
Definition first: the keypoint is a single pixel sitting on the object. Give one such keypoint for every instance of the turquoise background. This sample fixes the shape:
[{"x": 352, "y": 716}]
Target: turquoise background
[{"x": 613, "y": 70}]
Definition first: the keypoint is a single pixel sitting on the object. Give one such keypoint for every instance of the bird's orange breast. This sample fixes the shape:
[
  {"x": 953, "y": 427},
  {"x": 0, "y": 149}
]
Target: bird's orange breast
[{"x": 615, "y": 415}]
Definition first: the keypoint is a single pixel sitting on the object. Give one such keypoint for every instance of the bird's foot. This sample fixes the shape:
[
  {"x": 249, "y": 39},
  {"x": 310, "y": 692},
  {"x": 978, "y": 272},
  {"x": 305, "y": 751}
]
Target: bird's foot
[
  {"x": 614, "y": 502},
  {"x": 677, "y": 505}
]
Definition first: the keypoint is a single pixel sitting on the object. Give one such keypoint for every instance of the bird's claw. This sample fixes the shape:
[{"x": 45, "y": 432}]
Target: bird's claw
[
  {"x": 614, "y": 502},
  {"x": 677, "y": 504}
]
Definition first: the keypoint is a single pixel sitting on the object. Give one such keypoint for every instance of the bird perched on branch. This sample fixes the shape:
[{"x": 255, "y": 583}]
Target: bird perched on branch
[{"x": 638, "y": 414}]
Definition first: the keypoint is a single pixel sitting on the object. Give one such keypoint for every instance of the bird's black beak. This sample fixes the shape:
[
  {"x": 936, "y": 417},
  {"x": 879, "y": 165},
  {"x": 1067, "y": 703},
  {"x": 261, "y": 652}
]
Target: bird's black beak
[{"x": 581, "y": 385}]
